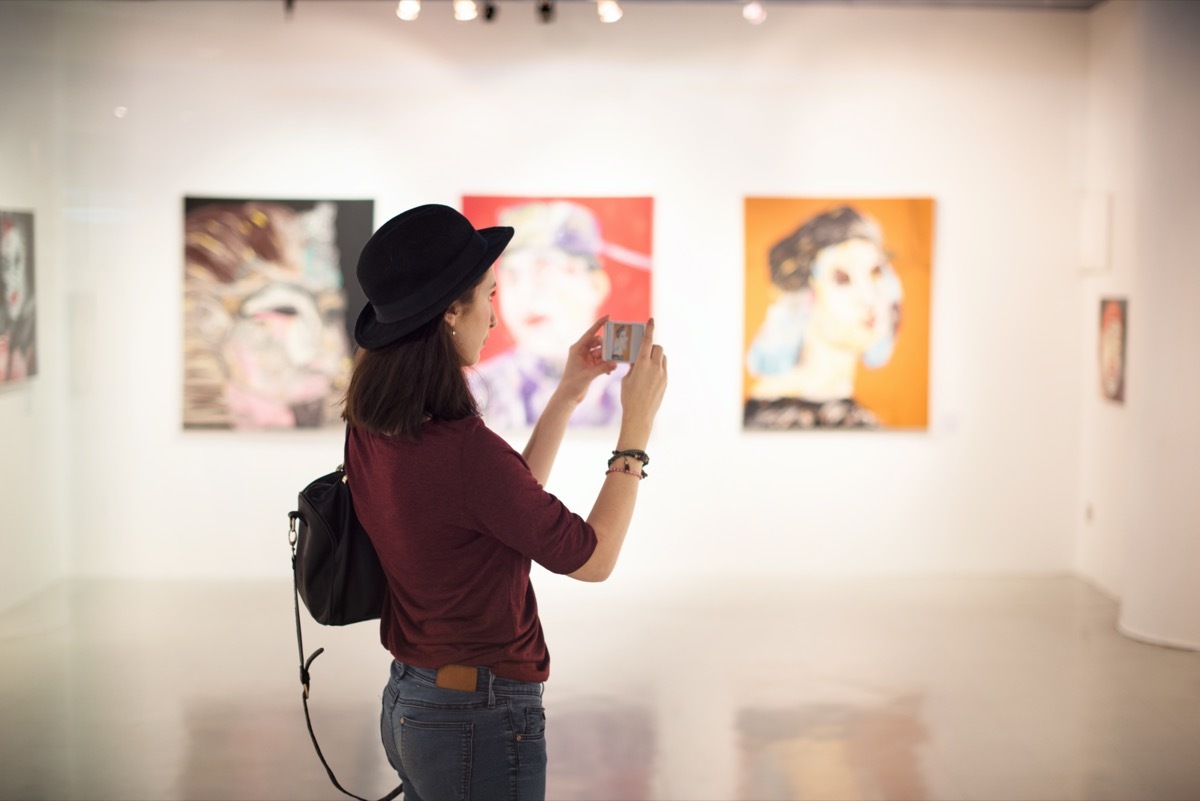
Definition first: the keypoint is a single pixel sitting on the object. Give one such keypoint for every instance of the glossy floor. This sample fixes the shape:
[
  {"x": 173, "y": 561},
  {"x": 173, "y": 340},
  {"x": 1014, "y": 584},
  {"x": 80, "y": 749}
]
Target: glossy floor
[{"x": 988, "y": 688}]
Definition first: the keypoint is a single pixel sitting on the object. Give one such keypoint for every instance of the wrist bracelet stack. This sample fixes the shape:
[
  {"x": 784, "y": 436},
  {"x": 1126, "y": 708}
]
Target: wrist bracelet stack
[{"x": 641, "y": 456}]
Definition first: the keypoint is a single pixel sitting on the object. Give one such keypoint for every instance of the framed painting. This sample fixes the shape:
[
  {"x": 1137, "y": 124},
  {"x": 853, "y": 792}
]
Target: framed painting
[
  {"x": 18, "y": 285},
  {"x": 1114, "y": 317},
  {"x": 571, "y": 260},
  {"x": 270, "y": 297},
  {"x": 837, "y": 313}
]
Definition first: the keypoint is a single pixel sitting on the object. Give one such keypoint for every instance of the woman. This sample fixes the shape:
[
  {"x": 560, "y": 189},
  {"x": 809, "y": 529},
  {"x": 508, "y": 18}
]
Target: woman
[
  {"x": 457, "y": 515},
  {"x": 839, "y": 304}
]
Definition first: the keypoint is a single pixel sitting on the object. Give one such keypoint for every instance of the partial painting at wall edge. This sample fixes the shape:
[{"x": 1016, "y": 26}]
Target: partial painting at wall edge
[
  {"x": 270, "y": 296},
  {"x": 18, "y": 311},
  {"x": 837, "y": 313}
]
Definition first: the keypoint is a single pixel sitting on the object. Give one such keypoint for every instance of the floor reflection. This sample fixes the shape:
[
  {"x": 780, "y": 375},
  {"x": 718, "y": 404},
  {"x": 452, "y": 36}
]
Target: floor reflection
[
  {"x": 914, "y": 690},
  {"x": 600, "y": 750},
  {"x": 827, "y": 752}
]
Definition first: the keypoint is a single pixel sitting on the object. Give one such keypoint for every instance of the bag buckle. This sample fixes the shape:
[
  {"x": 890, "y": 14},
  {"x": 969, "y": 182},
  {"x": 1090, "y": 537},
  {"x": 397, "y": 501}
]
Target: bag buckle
[{"x": 292, "y": 518}]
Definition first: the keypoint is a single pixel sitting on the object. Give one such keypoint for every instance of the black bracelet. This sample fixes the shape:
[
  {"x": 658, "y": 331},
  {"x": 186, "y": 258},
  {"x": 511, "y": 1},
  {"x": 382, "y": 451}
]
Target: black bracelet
[
  {"x": 641, "y": 456},
  {"x": 626, "y": 468}
]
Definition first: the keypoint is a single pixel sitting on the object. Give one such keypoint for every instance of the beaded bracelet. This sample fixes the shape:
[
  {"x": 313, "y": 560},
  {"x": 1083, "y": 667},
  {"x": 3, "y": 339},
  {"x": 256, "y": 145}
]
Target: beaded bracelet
[
  {"x": 641, "y": 456},
  {"x": 625, "y": 469}
]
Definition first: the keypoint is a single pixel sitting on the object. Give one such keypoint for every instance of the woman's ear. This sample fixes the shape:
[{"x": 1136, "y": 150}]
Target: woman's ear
[{"x": 452, "y": 314}]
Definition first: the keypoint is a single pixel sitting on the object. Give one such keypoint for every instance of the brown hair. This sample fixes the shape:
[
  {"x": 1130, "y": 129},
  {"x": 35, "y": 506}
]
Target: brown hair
[
  {"x": 393, "y": 389},
  {"x": 792, "y": 257}
]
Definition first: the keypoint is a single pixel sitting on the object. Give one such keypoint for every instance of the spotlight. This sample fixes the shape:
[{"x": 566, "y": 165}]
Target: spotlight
[
  {"x": 754, "y": 13},
  {"x": 465, "y": 10},
  {"x": 408, "y": 10},
  {"x": 489, "y": 11},
  {"x": 546, "y": 10},
  {"x": 608, "y": 10}
]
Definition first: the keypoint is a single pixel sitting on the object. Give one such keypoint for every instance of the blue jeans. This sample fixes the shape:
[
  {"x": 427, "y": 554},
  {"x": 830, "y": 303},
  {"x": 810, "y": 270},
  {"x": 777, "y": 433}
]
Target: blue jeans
[{"x": 453, "y": 745}]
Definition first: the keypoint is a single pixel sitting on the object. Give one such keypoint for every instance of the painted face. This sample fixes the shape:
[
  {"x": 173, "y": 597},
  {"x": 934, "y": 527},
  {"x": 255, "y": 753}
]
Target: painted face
[
  {"x": 850, "y": 306},
  {"x": 620, "y": 347},
  {"x": 13, "y": 263},
  {"x": 284, "y": 351},
  {"x": 1112, "y": 356},
  {"x": 548, "y": 296},
  {"x": 475, "y": 320}
]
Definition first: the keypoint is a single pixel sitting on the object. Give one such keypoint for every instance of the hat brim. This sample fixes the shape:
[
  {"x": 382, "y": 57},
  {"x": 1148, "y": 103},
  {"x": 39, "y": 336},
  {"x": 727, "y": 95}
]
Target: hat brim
[{"x": 371, "y": 334}]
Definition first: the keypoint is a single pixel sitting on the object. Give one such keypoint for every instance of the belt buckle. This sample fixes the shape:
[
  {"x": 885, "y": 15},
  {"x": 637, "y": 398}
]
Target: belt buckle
[{"x": 458, "y": 677}]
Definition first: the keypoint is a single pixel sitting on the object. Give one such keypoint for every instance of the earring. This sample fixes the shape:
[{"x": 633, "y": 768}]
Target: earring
[{"x": 453, "y": 333}]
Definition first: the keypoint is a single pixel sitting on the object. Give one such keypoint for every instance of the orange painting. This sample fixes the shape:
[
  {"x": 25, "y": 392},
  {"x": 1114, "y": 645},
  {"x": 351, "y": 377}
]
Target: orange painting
[{"x": 837, "y": 313}]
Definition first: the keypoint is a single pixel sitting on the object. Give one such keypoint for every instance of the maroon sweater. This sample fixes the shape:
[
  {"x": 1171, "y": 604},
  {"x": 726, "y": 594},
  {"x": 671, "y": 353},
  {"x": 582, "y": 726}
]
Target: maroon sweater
[{"x": 456, "y": 519}]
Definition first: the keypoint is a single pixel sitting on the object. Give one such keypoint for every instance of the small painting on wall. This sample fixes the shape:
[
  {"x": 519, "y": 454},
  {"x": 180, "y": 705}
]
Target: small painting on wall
[
  {"x": 837, "y": 313},
  {"x": 1114, "y": 319},
  {"x": 270, "y": 297},
  {"x": 18, "y": 312},
  {"x": 571, "y": 260}
]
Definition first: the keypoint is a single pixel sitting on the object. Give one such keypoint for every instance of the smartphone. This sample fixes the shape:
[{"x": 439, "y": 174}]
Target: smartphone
[{"x": 622, "y": 341}]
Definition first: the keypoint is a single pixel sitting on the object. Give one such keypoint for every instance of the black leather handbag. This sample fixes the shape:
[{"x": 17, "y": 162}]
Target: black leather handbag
[
  {"x": 338, "y": 576},
  {"x": 335, "y": 572}
]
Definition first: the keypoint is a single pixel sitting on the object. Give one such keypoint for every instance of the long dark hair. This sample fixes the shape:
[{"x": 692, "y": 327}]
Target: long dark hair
[{"x": 395, "y": 388}]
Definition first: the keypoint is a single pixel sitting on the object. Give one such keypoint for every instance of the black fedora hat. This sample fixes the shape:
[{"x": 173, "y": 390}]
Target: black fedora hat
[{"x": 416, "y": 265}]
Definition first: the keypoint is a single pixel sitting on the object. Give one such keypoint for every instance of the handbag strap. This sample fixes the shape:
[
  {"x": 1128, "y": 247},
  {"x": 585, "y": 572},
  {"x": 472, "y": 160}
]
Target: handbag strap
[
  {"x": 345, "y": 452},
  {"x": 306, "y": 677}
]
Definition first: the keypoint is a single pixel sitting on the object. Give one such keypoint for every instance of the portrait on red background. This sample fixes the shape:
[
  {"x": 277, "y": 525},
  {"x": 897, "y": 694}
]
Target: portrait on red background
[
  {"x": 1113, "y": 315},
  {"x": 571, "y": 260}
]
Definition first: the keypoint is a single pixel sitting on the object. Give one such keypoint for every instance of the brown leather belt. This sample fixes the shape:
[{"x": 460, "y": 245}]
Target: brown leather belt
[{"x": 458, "y": 677}]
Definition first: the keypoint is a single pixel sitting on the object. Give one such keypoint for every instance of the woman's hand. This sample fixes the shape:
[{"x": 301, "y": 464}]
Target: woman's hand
[
  {"x": 642, "y": 391},
  {"x": 585, "y": 363}
]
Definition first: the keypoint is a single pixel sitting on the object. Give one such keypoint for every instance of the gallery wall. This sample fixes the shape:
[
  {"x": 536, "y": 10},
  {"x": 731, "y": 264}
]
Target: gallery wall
[
  {"x": 1139, "y": 511},
  {"x": 983, "y": 110},
  {"x": 1161, "y": 597},
  {"x": 34, "y": 454},
  {"x": 1115, "y": 89}
]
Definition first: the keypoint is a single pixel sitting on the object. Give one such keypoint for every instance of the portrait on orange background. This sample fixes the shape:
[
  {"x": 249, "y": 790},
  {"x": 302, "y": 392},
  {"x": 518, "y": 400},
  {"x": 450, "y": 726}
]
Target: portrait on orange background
[
  {"x": 1113, "y": 315},
  {"x": 571, "y": 260},
  {"x": 837, "y": 313}
]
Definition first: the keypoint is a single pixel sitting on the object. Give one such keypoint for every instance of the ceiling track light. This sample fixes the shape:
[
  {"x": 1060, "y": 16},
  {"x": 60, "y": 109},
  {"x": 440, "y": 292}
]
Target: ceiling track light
[
  {"x": 408, "y": 10},
  {"x": 465, "y": 10},
  {"x": 754, "y": 13},
  {"x": 608, "y": 10},
  {"x": 545, "y": 10}
]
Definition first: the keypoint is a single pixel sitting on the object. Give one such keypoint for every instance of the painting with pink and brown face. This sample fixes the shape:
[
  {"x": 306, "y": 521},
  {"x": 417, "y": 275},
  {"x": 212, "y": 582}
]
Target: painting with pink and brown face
[
  {"x": 18, "y": 311},
  {"x": 269, "y": 288}
]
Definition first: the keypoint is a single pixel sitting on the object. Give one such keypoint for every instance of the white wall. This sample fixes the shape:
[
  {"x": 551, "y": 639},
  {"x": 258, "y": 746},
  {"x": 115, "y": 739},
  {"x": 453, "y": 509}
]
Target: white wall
[
  {"x": 1161, "y": 602},
  {"x": 1113, "y": 146},
  {"x": 1137, "y": 460},
  {"x": 984, "y": 110},
  {"x": 34, "y": 504}
]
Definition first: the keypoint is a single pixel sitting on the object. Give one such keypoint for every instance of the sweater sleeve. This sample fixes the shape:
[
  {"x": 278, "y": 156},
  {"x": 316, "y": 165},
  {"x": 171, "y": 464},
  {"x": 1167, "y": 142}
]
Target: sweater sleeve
[{"x": 505, "y": 501}]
